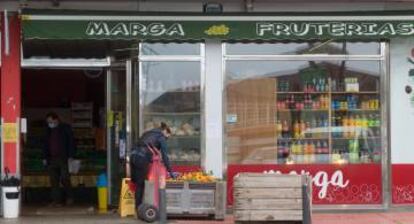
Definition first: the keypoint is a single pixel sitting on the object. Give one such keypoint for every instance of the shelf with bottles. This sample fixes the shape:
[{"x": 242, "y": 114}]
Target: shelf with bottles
[
  {"x": 302, "y": 93},
  {"x": 356, "y": 110},
  {"x": 303, "y": 151},
  {"x": 355, "y": 103},
  {"x": 360, "y": 137},
  {"x": 317, "y": 127},
  {"x": 361, "y": 92},
  {"x": 354, "y": 151},
  {"x": 316, "y": 85},
  {"x": 304, "y": 110},
  {"x": 358, "y": 122},
  {"x": 306, "y": 102},
  {"x": 302, "y": 139}
]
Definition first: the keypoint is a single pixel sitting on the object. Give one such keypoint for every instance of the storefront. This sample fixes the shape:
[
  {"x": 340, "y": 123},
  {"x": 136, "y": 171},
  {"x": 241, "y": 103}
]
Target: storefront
[{"x": 322, "y": 93}]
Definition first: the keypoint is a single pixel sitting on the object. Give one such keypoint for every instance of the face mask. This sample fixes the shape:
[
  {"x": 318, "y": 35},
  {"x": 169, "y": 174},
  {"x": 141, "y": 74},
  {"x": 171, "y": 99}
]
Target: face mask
[{"x": 52, "y": 125}]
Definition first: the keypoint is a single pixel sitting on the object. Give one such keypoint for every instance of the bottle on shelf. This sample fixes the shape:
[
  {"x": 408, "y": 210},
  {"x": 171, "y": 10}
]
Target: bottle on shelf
[
  {"x": 279, "y": 128},
  {"x": 296, "y": 129},
  {"x": 351, "y": 126},
  {"x": 312, "y": 153},
  {"x": 299, "y": 152},
  {"x": 364, "y": 121},
  {"x": 318, "y": 148},
  {"x": 302, "y": 128},
  {"x": 314, "y": 124},
  {"x": 280, "y": 152},
  {"x": 285, "y": 129},
  {"x": 326, "y": 85},
  {"x": 333, "y": 85},
  {"x": 377, "y": 121},
  {"x": 286, "y": 150},
  {"x": 308, "y": 130},
  {"x": 345, "y": 125}
]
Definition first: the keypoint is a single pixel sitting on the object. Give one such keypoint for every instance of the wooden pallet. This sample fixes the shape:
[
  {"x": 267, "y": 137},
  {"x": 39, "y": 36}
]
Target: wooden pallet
[
  {"x": 262, "y": 197},
  {"x": 194, "y": 199}
]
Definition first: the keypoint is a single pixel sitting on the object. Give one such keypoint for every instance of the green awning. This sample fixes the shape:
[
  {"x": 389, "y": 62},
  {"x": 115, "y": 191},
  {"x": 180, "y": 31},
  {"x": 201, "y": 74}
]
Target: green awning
[{"x": 75, "y": 25}]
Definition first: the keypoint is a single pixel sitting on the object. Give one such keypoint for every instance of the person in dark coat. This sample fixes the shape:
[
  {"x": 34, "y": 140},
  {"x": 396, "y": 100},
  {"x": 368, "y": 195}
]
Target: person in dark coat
[
  {"x": 141, "y": 157},
  {"x": 59, "y": 149}
]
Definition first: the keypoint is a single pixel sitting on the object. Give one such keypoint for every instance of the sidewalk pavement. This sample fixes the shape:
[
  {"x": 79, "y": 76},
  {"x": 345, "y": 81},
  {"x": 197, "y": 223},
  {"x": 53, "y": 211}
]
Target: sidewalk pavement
[
  {"x": 87, "y": 215},
  {"x": 334, "y": 218}
]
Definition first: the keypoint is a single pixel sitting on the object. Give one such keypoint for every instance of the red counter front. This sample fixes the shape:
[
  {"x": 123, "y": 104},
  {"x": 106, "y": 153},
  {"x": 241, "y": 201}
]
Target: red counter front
[{"x": 332, "y": 184}]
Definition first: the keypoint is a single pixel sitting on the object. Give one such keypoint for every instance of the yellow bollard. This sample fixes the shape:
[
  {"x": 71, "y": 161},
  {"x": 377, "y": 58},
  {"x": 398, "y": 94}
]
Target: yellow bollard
[{"x": 102, "y": 199}]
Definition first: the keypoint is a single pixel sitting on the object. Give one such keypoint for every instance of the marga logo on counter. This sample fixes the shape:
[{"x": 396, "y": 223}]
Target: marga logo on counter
[{"x": 131, "y": 29}]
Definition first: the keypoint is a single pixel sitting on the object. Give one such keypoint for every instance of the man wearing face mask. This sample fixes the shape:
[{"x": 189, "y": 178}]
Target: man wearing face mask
[{"x": 59, "y": 148}]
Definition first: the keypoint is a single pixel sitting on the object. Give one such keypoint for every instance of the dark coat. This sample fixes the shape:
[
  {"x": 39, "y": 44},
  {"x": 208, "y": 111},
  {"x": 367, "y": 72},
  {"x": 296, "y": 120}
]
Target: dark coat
[
  {"x": 65, "y": 137},
  {"x": 154, "y": 138}
]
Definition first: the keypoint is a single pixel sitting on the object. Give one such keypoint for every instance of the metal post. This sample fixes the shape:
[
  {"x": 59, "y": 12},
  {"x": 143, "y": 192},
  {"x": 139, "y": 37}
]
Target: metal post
[
  {"x": 163, "y": 205},
  {"x": 306, "y": 208},
  {"x": 162, "y": 197}
]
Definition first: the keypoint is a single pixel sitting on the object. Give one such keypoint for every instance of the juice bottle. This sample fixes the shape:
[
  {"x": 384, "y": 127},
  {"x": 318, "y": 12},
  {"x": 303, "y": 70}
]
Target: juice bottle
[
  {"x": 285, "y": 129},
  {"x": 302, "y": 128},
  {"x": 306, "y": 152},
  {"x": 279, "y": 128},
  {"x": 296, "y": 129},
  {"x": 351, "y": 121},
  {"x": 318, "y": 148},
  {"x": 280, "y": 151},
  {"x": 377, "y": 121},
  {"x": 358, "y": 122},
  {"x": 308, "y": 128},
  {"x": 299, "y": 152},
  {"x": 364, "y": 122},
  {"x": 314, "y": 124},
  {"x": 371, "y": 121},
  {"x": 312, "y": 152},
  {"x": 345, "y": 125}
]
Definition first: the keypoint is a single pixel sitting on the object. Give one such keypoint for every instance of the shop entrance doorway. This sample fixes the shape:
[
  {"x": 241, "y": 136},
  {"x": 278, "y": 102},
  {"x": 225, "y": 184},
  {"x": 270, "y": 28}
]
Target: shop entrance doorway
[{"x": 92, "y": 100}]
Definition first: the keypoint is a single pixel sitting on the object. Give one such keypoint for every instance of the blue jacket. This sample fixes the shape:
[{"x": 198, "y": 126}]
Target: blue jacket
[{"x": 155, "y": 138}]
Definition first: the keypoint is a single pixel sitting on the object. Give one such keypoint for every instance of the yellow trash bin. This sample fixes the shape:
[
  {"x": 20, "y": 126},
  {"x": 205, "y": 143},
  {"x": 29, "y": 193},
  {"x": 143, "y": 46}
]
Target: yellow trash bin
[{"x": 102, "y": 199}]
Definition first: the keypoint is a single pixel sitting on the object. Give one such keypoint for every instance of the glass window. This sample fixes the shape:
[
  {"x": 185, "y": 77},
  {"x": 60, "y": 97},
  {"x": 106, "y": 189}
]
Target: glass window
[
  {"x": 170, "y": 49},
  {"x": 303, "y": 112},
  {"x": 334, "y": 48},
  {"x": 170, "y": 93}
]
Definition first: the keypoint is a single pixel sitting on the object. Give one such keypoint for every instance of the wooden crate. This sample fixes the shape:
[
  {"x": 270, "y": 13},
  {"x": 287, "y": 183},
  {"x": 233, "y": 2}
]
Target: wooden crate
[
  {"x": 196, "y": 199},
  {"x": 262, "y": 197}
]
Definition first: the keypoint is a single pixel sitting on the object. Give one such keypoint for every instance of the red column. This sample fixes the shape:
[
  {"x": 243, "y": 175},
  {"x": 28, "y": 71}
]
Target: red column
[{"x": 10, "y": 94}]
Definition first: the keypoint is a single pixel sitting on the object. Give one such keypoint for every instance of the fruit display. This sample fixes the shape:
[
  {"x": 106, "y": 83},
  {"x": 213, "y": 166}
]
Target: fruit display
[{"x": 194, "y": 177}]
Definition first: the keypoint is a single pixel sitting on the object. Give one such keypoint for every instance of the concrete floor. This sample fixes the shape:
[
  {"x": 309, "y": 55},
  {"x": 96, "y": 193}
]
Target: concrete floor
[{"x": 87, "y": 215}]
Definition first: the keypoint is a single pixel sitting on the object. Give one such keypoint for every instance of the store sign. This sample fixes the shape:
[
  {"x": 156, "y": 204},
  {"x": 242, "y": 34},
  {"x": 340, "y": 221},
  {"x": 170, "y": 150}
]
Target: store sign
[
  {"x": 332, "y": 184},
  {"x": 194, "y": 27},
  {"x": 333, "y": 29},
  {"x": 133, "y": 29}
]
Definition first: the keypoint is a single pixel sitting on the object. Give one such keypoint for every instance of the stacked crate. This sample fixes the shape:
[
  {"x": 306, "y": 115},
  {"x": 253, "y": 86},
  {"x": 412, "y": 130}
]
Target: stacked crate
[{"x": 272, "y": 197}]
